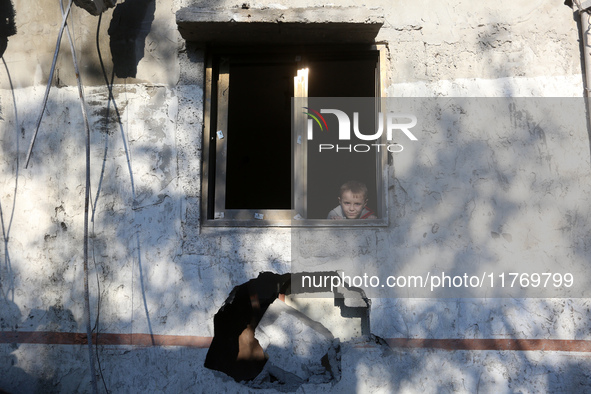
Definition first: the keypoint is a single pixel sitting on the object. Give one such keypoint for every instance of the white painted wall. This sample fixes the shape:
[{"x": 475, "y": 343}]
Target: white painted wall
[{"x": 153, "y": 268}]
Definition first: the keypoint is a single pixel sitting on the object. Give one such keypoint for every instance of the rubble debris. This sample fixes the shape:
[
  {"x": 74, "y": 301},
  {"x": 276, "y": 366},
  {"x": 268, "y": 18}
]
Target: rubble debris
[{"x": 299, "y": 349}]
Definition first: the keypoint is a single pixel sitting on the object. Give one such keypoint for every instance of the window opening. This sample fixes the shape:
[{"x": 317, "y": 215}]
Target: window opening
[{"x": 250, "y": 162}]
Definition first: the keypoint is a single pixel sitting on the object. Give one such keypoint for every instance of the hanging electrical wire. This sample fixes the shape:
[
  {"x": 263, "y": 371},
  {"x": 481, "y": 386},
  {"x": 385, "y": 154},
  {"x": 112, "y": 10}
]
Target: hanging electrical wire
[
  {"x": 7, "y": 29},
  {"x": 49, "y": 81},
  {"x": 6, "y": 228},
  {"x": 98, "y": 191},
  {"x": 110, "y": 99},
  {"x": 86, "y": 204},
  {"x": 127, "y": 155}
]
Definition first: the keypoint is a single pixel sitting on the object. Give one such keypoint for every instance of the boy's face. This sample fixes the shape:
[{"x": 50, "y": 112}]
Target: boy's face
[{"x": 352, "y": 204}]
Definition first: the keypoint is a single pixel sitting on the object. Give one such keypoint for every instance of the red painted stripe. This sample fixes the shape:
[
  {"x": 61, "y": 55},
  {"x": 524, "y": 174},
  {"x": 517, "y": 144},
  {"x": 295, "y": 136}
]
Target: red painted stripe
[
  {"x": 71, "y": 338},
  {"x": 557, "y": 345}
]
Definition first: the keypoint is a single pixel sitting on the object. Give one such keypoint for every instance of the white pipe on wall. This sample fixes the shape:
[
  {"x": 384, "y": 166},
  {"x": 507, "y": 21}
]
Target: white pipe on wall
[{"x": 585, "y": 32}]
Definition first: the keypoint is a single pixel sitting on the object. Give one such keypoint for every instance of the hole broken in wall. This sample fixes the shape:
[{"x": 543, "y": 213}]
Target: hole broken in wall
[
  {"x": 130, "y": 25},
  {"x": 268, "y": 337},
  {"x": 7, "y": 24}
]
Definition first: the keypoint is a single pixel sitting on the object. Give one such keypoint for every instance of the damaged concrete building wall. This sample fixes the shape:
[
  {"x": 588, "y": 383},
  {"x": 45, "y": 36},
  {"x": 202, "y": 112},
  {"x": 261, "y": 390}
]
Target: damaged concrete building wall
[{"x": 159, "y": 272}]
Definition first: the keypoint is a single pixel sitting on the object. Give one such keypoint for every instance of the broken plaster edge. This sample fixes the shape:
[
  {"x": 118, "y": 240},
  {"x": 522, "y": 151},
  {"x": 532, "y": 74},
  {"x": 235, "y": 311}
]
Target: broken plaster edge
[{"x": 308, "y": 15}]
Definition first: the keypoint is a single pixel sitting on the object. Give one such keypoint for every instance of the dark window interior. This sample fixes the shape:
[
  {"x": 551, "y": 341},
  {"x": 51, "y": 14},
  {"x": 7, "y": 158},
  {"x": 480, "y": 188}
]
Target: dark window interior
[{"x": 259, "y": 136}]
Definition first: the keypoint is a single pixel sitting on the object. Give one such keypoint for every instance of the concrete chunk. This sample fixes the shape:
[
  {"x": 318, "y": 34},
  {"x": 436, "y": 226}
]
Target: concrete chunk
[
  {"x": 285, "y": 26},
  {"x": 296, "y": 344}
]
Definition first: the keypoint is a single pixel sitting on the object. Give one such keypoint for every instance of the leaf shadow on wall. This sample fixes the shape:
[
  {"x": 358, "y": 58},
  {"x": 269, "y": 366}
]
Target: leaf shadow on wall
[{"x": 130, "y": 25}]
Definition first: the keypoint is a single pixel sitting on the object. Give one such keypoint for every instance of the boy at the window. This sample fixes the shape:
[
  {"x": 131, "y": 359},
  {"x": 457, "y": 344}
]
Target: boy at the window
[{"x": 352, "y": 203}]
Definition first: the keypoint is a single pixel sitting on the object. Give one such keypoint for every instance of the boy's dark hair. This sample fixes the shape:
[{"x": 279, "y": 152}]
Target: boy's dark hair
[{"x": 355, "y": 187}]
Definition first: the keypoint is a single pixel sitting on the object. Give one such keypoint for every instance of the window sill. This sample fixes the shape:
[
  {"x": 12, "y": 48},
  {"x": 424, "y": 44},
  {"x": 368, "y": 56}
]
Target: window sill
[{"x": 313, "y": 223}]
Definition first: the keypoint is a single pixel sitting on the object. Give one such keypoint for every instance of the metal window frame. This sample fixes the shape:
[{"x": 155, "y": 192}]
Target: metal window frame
[{"x": 217, "y": 81}]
